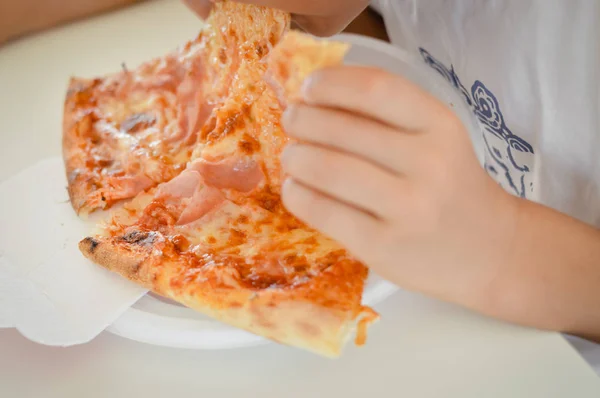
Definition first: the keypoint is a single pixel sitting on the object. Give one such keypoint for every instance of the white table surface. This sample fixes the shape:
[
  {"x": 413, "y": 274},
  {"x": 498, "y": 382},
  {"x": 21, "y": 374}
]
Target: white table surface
[{"x": 421, "y": 348}]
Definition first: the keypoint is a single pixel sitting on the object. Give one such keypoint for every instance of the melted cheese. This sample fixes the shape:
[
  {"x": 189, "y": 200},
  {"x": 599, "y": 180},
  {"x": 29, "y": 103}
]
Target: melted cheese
[{"x": 143, "y": 125}]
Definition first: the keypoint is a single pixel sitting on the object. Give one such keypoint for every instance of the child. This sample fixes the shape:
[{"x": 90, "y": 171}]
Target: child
[{"x": 390, "y": 172}]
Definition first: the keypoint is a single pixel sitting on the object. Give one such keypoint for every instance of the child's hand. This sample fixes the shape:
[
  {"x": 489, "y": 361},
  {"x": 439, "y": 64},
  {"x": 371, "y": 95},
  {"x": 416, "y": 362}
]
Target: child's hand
[
  {"x": 319, "y": 17},
  {"x": 388, "y": 171}
]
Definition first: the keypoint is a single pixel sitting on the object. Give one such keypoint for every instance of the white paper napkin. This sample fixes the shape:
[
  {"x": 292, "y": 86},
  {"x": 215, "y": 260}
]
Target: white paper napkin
[{"x": 48, "y": 290}]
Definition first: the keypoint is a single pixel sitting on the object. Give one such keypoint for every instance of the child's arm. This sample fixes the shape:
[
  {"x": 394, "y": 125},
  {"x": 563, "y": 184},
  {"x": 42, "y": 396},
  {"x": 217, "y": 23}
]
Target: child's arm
[
  {"x": 390, "y": 172},
  {"x": 551, "y": 278},
  {"x": 21, "y": 17}
]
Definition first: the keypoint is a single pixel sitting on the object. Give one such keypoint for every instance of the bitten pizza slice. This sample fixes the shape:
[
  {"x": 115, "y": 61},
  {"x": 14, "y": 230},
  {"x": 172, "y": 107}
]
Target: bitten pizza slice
[
  {"x": 128, "y": 132},
  {"x": 218, "y": 239}
]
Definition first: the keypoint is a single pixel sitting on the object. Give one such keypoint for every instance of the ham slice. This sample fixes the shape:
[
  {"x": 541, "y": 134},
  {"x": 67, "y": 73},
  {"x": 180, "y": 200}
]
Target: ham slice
[
  {"x": 124, "y": 187},
  {"x": 191, "y": 196},
  {"x": 241, "y": 174},
  {"x": 201, "y": 203},
  {"x": 197, "y": 191},
  {"x": 193, "y": 113},
  {"x": 181, "y": 187},
  {"x": 195, "y": 108},
  {"x": 119, "y": 188}
]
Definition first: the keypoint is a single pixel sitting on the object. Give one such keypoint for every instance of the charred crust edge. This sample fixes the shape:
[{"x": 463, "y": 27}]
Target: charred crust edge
[
  {"x": 91, "y": 244},
  {"x": 139, "y": 237}
]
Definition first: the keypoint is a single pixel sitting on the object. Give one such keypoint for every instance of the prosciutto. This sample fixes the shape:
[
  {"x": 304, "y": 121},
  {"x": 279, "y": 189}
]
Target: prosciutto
[
  {"x": 242, "y": 174},
  {"x": 198, "y": 190}
]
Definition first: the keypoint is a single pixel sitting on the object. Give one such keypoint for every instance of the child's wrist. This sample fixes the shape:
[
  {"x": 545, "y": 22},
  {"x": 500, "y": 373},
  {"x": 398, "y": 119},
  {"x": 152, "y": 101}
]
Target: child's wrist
[{"x": 494, "y": 246}]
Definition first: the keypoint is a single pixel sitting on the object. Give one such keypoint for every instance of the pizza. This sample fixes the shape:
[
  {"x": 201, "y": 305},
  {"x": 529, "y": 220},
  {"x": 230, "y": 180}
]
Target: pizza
[
  {"x": 185, "y": 149},
  {"x": 295, "y": 58}
]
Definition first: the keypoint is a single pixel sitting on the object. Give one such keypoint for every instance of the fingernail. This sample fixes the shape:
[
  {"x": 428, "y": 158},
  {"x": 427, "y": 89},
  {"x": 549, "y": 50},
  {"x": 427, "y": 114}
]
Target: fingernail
[
  {"x": 307, "y": 87},
  {"x": 285, "y": 187},
  {"x": 288, "y": 116}
]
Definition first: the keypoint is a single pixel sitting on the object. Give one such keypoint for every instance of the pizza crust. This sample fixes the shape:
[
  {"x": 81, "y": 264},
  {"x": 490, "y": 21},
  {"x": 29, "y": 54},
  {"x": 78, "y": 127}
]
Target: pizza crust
[
  {"x": 74, "y": 125},
  {"x": 319, "y": 316},
  {"x": 296, "y": 57}
]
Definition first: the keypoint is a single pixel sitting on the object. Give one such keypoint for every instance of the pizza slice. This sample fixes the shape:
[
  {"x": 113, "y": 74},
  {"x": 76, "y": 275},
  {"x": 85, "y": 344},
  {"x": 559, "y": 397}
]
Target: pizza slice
[
  {"x": 128, "y": 132},
  {"x": 246, "y": 267},
  {"x": 217, "y": 238}
]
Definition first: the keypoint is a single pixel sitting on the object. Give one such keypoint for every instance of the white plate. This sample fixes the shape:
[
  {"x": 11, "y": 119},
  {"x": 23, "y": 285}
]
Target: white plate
[{"x": 157, "y": 321}]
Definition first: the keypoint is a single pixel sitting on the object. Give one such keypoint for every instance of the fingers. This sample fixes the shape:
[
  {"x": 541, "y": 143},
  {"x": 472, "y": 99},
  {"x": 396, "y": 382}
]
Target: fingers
[
  {"x": 308, "y": 7},
  {"x": 343, "y": 223},
  {"x": 344, "y": 177},
  {"x": 200, "y": 7},
  {"x": 375, "y": 93},
  {"x": 301, "y": 7},
  {"x": 366, "y": 138}
]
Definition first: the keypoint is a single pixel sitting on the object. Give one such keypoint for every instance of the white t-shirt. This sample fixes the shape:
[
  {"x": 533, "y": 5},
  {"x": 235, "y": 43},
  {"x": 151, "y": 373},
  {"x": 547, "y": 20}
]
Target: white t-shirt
[{"x": 530, "y": 71}]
